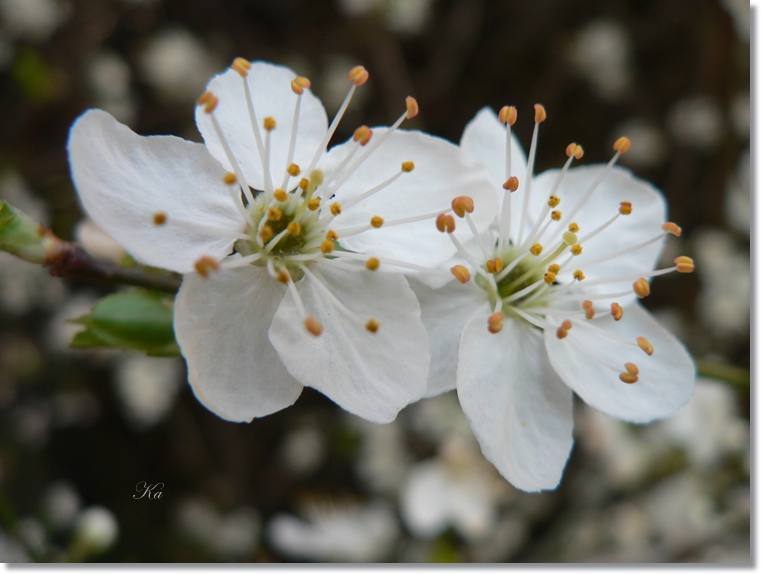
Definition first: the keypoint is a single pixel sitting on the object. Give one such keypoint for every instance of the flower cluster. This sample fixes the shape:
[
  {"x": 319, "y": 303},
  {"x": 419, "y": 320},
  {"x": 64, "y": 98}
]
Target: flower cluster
[{"x": 308, "y": 266}]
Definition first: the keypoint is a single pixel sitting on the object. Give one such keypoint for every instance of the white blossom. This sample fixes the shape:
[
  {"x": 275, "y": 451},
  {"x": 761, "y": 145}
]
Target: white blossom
[
  {"x": 280, "y": 240},
  {"x": 536, "y": 312}
]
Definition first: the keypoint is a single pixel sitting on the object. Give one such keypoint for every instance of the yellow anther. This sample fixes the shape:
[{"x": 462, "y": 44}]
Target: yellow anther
[
  {"x": 555, "y": 215},
  {"x": 332, "y": 235},
  {"x": 362, "y": 135},
  {"x": 573, "y": 227},
  {"x": 266, "y": 233},
  {"x": 495, "y": 322},
  {"x": 576, "y": 249},
  {"x": 587, "y": 305},
  {"x": 554, "y": 268},
  {"x": 299, "y": 84},
  {"x": 536, "y": 250},
  {"x": 574, "y": 150},
  {"x": 553, "y": 201},
  {"x": 327, "y": 246},
  {"x": 294, "y": 228},
  {"x": 622, "y": 145},
  {"x": 494, "y": 266},
  {"x": 461, "y": 205},
  {"x": 372, "y": 264},
  {"x": 372, "y": 325},
  {"x": 242, "y": 66},
  {"x": 511, "y": 184},
  {"x": 294, "y": 170},
  {"x": 205, "y": 98},
  {"x": 408, "y": 166},
  {"x": 335, "y": 208},
  {"x": 230, "y": 178},
  {"x": 569, "y": 238},
  {"x": 280, "y": 195},
  {"x": 313, "y": 326},
  {"x": 641, "y": 287},
  {"x": 205, "y": 265},
  {"x": 445, "y": 223},
  {"x": 672, "y": 228},
  {"x": 684, "y": 264},
  {"x": 377, "y": 221},
  {"x": 313, "y": 204},
  {"x": 304, "y": 183},
  {"x": 160, "y": 218},
  {"x": 645, "y": 345},
  {"x": 283, "y": 276},
  {"x": 631, "y": 368},
  {"x": 539, "y": 113},
  {"x": 274, "y": 214},
  {"x": 578, "y": 275},
  {"x": 461, "y": 273},
  {"x": 316, "y": 177},
  {"x": 616, "y": 311},
  {"x": 628, "y": 377},
  {"x": 358, "y": 75},
  {"x": 211, "y": 104},
  {"x": 269, "y": 123},
  {"x": 412, "y": 107},
  {"x": 508, "y": 115},
  {"x": 625, "y": 208},
  {"x": 549, "y": 277},
  {"x": 563, "y": 329}
]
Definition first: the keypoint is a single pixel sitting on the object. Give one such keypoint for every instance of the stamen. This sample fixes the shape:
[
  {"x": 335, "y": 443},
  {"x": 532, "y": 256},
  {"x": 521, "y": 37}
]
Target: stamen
[
  {"x": 627, "y": 377},
  {"x": 462, "y": 205},
  {"x": 576, "y": 250},
  {"x": 372, "y": 325},
  {"x": 274, "y": 214},
  {"x": 684, "y": 264},
  {"x": 573, "y": 227},
  {"x": 294, "y": 228},
  {"x": 198, "y": 228},
  {"x": 645, "y": 345},
  {"x": 313, "y": 326},
  {"x": 386, "y": 261},
  {"x": 280, "y": 195},
  {"x": 269, "y": 125},
  {"x": 239, "y": 262},
  {"x": 412, "y": 107},
  {"x": 587, "y": 305},
  {"x": 298, "y": 85},
  {"x": 313, "y": 204},
  {"x": 578, "y": 275},
  {"x": 335, "y": 208},
  {"x": 160, "y": 218},
  {"x": 445, "y": 223},
  {"x": 622, "y": 145},
  {"x": 242, "y": 66},
  {"x": 536, "y": 250},
  {"x": 511, "y": 185},
  {"x": 623, "y": 252},
  {"x": 641, "y": 288},
  {"x": 362, "y": 197},
  {"x": 495, "y": 322},
  {"x": 672, "y": 228},
  {"x": 205, "y": 265},
  {"x": 327, "y": 246},
  {"x": 408, "y": 166},
  {"x": 372, "y": 264},
  {"x": 353, "y": 231},
  {"x": 377, "y": 221},
  {"x": 255, "y": 129},
  {"x": 539, "y": 117},
  {"x": 616, "y": 311},
  {"x": 359, "y": 76},
  {"x": 625, "y": 208},
  {"x": 461, "y": 273}
]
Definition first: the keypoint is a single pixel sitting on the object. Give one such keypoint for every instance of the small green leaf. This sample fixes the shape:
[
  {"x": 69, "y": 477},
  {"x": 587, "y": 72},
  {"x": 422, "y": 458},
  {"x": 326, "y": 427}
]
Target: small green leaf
[{"x": 139, "y": 320}]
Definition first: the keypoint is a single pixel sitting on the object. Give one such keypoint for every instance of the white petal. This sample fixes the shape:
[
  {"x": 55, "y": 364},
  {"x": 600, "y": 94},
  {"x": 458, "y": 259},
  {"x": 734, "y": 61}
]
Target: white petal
[
  {"x": 271, "y": 92},
  {"x": 483, "y": 141},
  {"x": 644, "y": 223},
  {"x": 124, "y": 179},
  {"x": 444, "y": 312},
  {"x": 666, "y": 378},
  {"x": 441, "y": 173},
  {"x": 372, "y": 375},
  {"x": 221, "y": 324},
  {"x": 519, "y": 410}
]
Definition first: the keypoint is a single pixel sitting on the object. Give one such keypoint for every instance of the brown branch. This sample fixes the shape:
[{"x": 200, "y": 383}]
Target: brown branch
[{"x": 70, "y": 261}]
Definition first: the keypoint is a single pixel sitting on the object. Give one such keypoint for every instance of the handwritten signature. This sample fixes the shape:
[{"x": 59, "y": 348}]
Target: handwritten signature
[{"x": 150, "y": 491}]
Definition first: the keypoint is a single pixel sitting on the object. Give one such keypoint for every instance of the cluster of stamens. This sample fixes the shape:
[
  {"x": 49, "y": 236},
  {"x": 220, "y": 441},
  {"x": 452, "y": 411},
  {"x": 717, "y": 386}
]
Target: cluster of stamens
[
  {"x": 289, "y": 226},
  {"x": 521, "y": 275}
]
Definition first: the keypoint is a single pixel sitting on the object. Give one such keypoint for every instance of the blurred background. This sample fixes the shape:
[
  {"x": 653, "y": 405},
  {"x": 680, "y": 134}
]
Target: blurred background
[{"x": 80, "y": 429}]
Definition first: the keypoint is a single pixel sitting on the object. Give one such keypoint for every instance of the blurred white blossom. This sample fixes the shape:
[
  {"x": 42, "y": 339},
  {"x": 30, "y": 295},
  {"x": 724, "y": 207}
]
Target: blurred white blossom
[
  {"x": 233, "y": 536},
  {"x": 11, "y": 551},
  {"x": 336, "y": 532},
  {"x": 740, "y": 115},
  {"x": 383, "y": 459},
  {"x": 724, "y": 268},
  {"x": 403, "y": 16},
  {"x": 740, "y": 12},
  {"x": 147, "y": 387},
  {"x": 738, "y": 196},
  {"x": 304, "y": 449},
  {"x": 96, "y": 528},
  {"x": 649, "y": 145},
  {"x": 696, "y": 122},
  {"x": 109, "y": 77},
  {"x": 33, "y": 20},
  {"x": 601, "y": 51},
  {"x": 61, "y": 504},
  {"x": 177, "y": 64}
]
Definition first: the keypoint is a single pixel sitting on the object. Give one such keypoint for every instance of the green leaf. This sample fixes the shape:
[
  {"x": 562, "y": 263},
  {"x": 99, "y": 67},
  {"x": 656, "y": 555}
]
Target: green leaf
[
  {"x": 23, "y": 237},
  {"x": 139, "y": 320}
]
